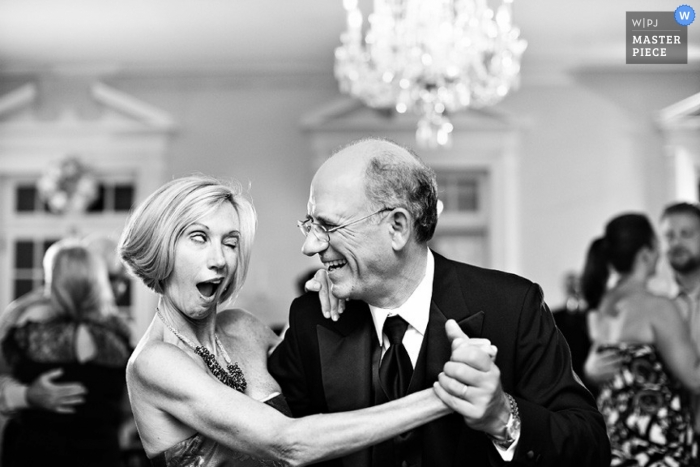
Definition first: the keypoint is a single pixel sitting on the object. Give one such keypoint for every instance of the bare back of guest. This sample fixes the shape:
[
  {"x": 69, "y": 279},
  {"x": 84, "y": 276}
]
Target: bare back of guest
[{"x": 647, "y": 411}]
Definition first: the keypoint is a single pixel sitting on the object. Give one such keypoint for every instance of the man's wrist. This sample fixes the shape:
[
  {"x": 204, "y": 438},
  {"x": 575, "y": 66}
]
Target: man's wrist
[{"x": 511, "y": 429}]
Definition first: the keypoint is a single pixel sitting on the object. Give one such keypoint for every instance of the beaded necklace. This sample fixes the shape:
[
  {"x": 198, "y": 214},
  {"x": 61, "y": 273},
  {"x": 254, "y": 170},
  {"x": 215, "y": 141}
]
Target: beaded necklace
[{"x": 234, "y": 378}]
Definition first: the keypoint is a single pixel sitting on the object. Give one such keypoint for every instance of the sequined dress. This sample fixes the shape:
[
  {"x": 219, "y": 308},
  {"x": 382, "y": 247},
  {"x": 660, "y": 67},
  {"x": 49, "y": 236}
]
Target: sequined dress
[
  {"x": 199, "y": 451},
  {"x": 88, "y": 437},
  {"x": 646, "y": 412}
]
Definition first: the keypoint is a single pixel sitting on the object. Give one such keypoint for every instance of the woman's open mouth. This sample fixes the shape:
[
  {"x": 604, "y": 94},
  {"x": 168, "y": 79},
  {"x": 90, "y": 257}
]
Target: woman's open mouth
[{"x": 209, "y": 288}]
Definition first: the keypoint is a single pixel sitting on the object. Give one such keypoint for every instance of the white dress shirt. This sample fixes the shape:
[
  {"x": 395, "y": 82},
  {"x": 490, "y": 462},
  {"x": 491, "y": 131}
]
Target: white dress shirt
[{"x": 415, "y": 311}]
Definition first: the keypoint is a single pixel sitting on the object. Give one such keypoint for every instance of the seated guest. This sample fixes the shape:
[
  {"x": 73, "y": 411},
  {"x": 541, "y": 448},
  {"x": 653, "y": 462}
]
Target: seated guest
[
  {"x": 74, "y": 333},
  {"x": 198, "y": 381},
  {"x": 648, "y": 415}
]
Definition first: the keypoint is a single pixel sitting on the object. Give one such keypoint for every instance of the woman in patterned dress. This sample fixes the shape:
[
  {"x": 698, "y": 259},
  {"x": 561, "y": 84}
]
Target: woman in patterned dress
[{"x": 647, "y": 411}]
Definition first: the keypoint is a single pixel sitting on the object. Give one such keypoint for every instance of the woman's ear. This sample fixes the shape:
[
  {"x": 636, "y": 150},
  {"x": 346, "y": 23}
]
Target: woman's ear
[
  {"x": 647, "y": 255},
  {"x": 401, "y": 224}
]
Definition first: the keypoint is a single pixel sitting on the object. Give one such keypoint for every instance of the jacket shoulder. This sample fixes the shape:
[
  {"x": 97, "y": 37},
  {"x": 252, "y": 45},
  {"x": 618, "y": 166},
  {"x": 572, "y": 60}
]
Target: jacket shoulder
[
  {"x": 486, "y": 276},
  {"x": 481, "y": 283}
]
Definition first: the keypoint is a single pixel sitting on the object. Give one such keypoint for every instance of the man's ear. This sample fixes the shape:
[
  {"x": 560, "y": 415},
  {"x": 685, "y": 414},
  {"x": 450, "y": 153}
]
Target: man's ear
[{"x": 401, "y": 226}]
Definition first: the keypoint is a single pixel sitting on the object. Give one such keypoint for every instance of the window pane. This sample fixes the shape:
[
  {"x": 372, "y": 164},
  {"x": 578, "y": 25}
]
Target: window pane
[
  {"x": 468, "y": 195},
  {"x": 125, "y": 299},
  {"x": 469, "y": 247},
  {"x": 26, "y": 198},
  {"x": 22, "y": 287},
  {"x": 99, "y": 204},
  {"x": 445, "y": 192},
  {"x": 123, "y": 197},
  {"x": 24, "y": 255},
  {"x": 460, "y": 191}
]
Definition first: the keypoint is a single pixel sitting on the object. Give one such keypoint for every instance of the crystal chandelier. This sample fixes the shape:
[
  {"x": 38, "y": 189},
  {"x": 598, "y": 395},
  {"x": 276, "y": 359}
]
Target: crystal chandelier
[{"x": 432, "y": 57}]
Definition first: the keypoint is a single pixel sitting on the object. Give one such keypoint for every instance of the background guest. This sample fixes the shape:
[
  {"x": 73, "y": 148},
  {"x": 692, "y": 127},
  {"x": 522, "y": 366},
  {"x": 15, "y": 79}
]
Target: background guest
[
  {"x": 571, "y": 321},
  {"x": 105, "y": 247},
  {"x": 77, "y": 331},
  {"x": 680, "y": 229},
  {"x": 44, "y": 393},
  {"x": 648, "y": 417}
]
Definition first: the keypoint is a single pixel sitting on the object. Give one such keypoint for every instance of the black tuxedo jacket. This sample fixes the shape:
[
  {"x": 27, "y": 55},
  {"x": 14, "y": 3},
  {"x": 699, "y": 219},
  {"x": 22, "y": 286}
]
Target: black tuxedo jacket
[{"x": 325, "y": 366}]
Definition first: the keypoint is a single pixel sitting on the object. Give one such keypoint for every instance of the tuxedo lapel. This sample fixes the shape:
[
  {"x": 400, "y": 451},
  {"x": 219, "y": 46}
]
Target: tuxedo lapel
[
  {"x": 444, "y": 435},
  {"x": 447, "y": 302},
  {"x": 438, "y": 347},
  {"x": 346, "y": 362},
  {"x": 345, "y": 349}
]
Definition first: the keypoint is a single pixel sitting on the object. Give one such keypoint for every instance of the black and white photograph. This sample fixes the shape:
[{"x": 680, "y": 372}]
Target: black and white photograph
[{"x": 349, "y": 233}]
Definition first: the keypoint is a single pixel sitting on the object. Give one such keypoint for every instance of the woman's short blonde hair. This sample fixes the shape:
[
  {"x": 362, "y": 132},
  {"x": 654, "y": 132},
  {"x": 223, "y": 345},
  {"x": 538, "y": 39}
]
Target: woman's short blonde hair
[{"x": 147, "y": 244}]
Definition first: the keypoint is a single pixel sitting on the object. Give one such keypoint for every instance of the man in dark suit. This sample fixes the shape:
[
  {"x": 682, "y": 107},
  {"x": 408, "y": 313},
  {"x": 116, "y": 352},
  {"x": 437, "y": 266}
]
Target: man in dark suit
[{"x": 372, "y": 210}]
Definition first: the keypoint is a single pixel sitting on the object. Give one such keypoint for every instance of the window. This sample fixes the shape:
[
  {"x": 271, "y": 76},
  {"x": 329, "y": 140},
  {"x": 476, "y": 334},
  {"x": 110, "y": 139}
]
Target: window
[
  {"x": 28, "y": 268},
  {"x": 462, "y": 231},
  {"x": 30, "y": 228},
  {"x": 459, "y": 191},
  {"x": 112, "y": 197}
]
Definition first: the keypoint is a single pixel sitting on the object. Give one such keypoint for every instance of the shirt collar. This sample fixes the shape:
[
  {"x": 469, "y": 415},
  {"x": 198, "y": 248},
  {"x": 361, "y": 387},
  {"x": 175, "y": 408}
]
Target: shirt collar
[
  {"x": 416, "y": 310},
  {"x": 693, "y": 293}
]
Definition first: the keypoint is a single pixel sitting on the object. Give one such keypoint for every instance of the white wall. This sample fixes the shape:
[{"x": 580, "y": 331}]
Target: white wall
[
  {"x": 248, "y": 128},
  {"x": 590, "y": 149}
]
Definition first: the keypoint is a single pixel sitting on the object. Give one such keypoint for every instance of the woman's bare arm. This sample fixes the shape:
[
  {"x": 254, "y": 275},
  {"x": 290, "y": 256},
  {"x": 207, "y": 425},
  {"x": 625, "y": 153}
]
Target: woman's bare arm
[
  {"x": 673, "y": 340},
  {"x": 171, "y": 382}
]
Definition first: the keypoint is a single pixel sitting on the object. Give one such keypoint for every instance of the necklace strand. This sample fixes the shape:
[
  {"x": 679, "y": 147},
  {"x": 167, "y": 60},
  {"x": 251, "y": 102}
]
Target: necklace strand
[{"x": 234, "y": 378}]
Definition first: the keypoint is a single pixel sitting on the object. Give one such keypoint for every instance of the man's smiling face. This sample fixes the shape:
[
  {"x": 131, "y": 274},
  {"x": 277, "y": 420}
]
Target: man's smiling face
[{"x": 357, "y": 257}]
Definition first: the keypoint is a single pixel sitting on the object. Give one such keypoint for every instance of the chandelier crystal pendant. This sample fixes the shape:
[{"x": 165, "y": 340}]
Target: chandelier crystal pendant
[{"x": 432, "y": 57}]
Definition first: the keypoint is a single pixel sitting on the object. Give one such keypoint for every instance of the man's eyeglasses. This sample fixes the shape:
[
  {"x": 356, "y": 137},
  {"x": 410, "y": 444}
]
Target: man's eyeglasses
[{"x": 323, "y": 234}]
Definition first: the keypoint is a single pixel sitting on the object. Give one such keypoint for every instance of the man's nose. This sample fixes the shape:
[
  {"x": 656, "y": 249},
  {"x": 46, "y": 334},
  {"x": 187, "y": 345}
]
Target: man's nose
[
  {"x": 313, "y": 245},
  {"x": 672, "y": 240}
]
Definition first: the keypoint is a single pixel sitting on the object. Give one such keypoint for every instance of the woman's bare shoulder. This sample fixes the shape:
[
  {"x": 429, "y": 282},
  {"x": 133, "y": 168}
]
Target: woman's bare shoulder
[
  {"x": 152, "y": 358},
  {"x": 653, "y": 301},
  {"x": 235, "y": 322},
  {"x": 654, "y": 307},
  {"x": 238, "y": 319}
]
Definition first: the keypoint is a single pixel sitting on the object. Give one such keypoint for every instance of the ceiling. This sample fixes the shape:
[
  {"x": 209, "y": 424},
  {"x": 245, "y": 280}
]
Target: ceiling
[{"x": 276, "y": 35}]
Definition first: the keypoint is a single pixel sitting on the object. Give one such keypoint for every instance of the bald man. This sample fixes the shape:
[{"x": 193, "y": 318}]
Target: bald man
[{"x": 372, "y": 210}]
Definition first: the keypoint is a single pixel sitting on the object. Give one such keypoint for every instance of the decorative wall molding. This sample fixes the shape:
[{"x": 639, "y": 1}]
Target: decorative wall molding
[
  {"x": 680, "y": 126},
  {"x": 121, "y": 138}
]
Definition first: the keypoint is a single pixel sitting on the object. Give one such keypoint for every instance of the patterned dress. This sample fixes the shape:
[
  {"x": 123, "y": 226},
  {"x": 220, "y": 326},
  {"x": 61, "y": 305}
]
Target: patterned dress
[{"x": 646, "y": 412}]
